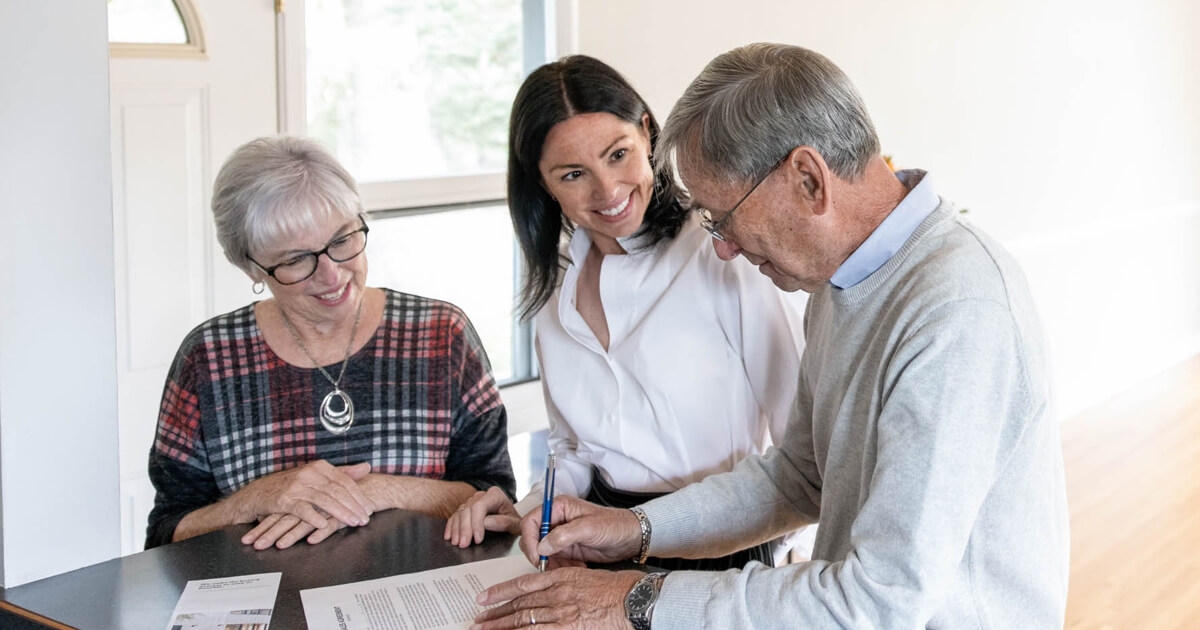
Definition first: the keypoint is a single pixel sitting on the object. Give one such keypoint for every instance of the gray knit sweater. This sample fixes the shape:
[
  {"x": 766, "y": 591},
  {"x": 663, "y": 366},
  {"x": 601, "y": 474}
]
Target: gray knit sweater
[{"x": 924, "y": 442}]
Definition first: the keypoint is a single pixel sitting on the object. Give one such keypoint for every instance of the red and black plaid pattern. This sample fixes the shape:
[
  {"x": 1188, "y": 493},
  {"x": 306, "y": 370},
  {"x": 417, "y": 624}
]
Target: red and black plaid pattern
[{"x": 425, "y": 404}]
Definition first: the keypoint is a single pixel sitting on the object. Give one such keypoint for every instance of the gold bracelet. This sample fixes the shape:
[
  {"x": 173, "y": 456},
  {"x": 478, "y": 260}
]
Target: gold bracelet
[{"x": 644, "y": 523}]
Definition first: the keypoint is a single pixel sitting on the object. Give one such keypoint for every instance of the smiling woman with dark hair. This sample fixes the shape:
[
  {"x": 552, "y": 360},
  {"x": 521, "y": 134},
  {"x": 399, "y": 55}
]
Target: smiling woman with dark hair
[
  {"x": 661, "y": 364},
  {"x": 308, "y": 411}
]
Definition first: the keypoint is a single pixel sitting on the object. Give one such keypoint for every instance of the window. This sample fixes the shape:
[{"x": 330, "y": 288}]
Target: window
[
  {"x": 154, "y": 28},
  {"x": 413, "y": 97},
  {"x": 413, "y": 89},
  {"x": 464, "y": 257}
]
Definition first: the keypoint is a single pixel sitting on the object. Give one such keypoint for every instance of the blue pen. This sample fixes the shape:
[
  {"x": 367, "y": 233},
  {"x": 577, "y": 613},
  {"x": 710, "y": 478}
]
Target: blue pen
[{"x": 547, "y": 505}]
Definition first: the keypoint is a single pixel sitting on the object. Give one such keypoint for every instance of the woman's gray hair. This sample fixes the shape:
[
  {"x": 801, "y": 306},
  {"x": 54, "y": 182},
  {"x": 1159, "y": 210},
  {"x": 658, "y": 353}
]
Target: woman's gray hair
[
  {"x": 273, "y": 189},
  {"x": 751, "y": 106}
]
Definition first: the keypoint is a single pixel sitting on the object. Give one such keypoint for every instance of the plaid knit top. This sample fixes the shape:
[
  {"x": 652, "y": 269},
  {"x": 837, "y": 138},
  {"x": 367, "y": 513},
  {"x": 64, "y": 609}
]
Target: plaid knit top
[{"x": 425, "y": 405}]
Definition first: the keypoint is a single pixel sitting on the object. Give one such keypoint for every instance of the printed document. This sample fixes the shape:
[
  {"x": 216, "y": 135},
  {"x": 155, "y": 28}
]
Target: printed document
[
  {"x": 244, "y": 602},
  {"x": 441, "y": 599}
]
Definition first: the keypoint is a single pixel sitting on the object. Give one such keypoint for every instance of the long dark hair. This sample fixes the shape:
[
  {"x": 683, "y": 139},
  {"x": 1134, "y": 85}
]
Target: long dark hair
[{"x": 551, "y": 94}]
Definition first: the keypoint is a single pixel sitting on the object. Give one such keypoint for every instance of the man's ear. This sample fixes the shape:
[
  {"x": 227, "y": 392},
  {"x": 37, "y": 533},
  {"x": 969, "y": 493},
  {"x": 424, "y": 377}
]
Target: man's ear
[{"x": 810, "y": 178}]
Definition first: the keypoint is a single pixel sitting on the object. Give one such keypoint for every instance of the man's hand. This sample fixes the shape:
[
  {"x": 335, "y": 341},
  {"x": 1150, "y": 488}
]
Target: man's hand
[
  {"x": 581, "y": 532},
  {"x": 586, "y": 599}
]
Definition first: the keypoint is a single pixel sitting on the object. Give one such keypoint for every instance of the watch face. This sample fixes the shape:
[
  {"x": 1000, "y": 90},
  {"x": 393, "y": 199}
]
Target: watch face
[{"x": 640, "y": 597}]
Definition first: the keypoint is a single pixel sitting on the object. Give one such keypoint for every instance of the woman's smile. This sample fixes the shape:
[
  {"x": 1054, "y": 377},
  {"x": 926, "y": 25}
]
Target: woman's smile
[
  {"x": 335, "y": 297},
  {"x": 617, "y": 212}
]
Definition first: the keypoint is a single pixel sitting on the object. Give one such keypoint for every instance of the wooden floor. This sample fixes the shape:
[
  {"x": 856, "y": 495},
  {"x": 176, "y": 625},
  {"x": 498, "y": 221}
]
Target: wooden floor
[{"x": 1133, "y": 483}]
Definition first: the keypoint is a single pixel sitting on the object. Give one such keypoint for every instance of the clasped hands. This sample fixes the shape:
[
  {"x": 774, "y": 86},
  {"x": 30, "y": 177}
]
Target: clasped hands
[
  {"x": 310, "y": 502},
  {"x": 569, "y": 595}
]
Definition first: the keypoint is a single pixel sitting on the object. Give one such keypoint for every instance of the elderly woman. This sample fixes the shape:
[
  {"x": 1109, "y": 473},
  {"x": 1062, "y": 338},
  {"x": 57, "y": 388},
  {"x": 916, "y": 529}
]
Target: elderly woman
[{"x": 311, "y": 410}]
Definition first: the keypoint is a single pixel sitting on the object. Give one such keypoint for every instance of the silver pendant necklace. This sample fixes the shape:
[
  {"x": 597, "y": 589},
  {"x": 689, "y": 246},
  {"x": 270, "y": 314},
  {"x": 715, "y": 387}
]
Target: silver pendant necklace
[{"x": 337, "y": 410}]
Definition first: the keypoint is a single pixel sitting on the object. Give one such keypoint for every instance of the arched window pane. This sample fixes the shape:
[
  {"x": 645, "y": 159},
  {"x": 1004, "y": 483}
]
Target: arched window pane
[{"x": 145, "y": 22}]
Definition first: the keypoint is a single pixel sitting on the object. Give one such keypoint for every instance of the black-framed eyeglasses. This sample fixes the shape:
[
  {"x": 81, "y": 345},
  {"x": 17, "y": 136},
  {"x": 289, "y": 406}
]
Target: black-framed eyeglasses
[
  {"x": 714, "y": 227},
  {"x": 301, "y": 267}
]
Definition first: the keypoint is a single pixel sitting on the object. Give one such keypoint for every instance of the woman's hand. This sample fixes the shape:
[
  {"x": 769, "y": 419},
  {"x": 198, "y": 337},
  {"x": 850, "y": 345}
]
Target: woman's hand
[
  {"x": 484, "y": 511},
  {"x": 285, "y": 530},
  {"x": 378, "y": 491},
  {"x": 315, "y": 494}
]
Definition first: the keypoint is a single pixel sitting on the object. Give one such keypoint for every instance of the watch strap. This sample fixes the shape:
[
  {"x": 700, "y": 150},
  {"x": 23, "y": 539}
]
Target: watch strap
[{"x": 640, "y": 619}]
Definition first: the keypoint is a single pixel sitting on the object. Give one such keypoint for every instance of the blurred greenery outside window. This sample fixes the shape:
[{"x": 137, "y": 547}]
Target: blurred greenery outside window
[{"x": 411, "y": 89}]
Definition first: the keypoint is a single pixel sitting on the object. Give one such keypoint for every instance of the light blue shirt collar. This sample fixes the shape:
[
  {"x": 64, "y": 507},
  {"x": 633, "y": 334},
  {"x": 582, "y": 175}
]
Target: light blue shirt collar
[{"x": 890, "y": 236}]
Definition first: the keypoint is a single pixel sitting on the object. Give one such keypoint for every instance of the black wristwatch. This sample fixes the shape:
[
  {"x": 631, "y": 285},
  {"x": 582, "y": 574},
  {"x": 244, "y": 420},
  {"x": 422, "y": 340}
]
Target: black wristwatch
[{"x": 639, "y": 602}]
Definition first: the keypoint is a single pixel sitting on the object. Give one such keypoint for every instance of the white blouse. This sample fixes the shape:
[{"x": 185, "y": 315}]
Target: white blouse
[{"x": 701, "y": 369}]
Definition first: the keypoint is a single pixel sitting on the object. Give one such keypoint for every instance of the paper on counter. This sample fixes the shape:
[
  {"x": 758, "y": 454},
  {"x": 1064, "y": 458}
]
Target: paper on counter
[
  {"x": 244, "y": 602},
  {"x": 441, "y": 599}
]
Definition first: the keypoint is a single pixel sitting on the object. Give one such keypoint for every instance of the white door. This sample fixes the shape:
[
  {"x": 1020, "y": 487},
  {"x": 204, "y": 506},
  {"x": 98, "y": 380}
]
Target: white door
[{"x": 174, "y": 120}]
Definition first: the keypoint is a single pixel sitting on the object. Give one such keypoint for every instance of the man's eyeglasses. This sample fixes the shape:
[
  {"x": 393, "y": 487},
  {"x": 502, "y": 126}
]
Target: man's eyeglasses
[
  {"x": 301, "y": 267},
  {"x": 714, "y": 227}
]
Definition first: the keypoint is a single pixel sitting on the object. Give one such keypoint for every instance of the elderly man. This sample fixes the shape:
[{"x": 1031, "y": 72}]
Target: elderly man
[{"x": 922, "y": 439}]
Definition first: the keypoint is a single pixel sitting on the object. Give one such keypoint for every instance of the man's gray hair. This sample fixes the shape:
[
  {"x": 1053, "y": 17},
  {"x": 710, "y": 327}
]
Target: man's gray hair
[
  {"x": 751, "y": 106},
  {"x": 276, "y": 188}
]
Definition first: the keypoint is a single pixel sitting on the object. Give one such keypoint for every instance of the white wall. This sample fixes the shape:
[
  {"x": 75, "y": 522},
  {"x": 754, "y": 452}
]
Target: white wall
[
  {"x": 58, "y": 408},
  {"x": 1069, "y": 128}
]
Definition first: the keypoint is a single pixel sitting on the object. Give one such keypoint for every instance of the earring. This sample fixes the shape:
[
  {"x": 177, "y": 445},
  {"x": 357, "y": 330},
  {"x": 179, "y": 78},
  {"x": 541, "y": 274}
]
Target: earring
[{"x": 258, "y": 287}]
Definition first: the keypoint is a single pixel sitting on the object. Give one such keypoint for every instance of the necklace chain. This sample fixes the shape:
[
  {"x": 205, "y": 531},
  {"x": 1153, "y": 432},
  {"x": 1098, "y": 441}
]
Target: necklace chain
[{"x": 349, "y": 346}]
